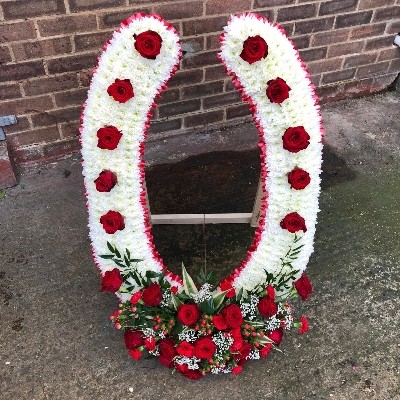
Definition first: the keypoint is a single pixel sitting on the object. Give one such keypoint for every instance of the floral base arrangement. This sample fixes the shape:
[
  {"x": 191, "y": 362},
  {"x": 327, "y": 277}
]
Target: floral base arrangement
[{"x": 201, "y": 326}]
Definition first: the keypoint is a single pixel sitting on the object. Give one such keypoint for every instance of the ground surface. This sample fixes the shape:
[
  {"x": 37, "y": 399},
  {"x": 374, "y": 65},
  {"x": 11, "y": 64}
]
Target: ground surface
[{"x": 55, "y": 338}]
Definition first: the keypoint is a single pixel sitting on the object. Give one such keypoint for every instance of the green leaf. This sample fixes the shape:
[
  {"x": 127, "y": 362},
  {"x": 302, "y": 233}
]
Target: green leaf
[
  {"x": 152, "y": 274},
  {"x": 128, "y": 253},
  {"x": 135, "y": 260},
  {"x": 107, "y": 256},
  {"x": 176, "y": 302},
  {"x": 126, "y": 259},
  {"x": 2, "y": 194},
  {"x": 239, "y": 295},
  {"x": 219, "y": 298},
  {"x": 110, "y": 247},
  {"x": 117, "y": 253},
  {"x": 188, "y": 284},
  {"x": 207, "y": 307}
]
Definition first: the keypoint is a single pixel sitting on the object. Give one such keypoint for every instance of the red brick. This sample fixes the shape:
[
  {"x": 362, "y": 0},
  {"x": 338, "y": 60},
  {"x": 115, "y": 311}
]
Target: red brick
[
  {"x": 214, "y": 73},
  {"x": 204, "y": 118},
  {"x": 374, "y": 69},
  {"x": 50, "y": 84},
  {"x": 240, "y": 111},
  {"x": 91, "y": 41},
  {"x": 7, "y": 172},
  {"x": 192, "y": 45},
  {"x": 202, "y": 90},
  {"x": 345, "y": 48},
  {"x": 389, "y": 54},
  {"x": 71, "y": 63},
  {"x": 365, "y": 4},
  {"x": 188, "y": 9},
  {"x": 83, "y": 5},
  {"x": 34, "y": 136},
  {"x": 361, "y": 32},
  {"x": 302, "y": 42},
  {"x": 229, "y": 86},
  {"x": 221, "y": 100},
  {"x": 114, "y": 19},
  {"x": 316, "y": 80},
  {"x": 331, "y": 37},
  {"x": 201, "y": 26},
  {"x": 360, "y": 59},
  {"x": 288, "y": 27},
  {"x": 181, "y": 107},
  {"x": 42, "y": 48},
  {"x": 321, "y": 66},
  {"x": 298, "y": 12},
  {"x": 54, "y": 150},
  {"x": 71, "y": 98},
  {"x": 272, "y": 3},
  {"x": 21, "y": 125},
  {"x": 168, "y": 96},
  {"x": 15, "y": 72},
  {"x": 201, "y": 60},
  {"x": 394, "y": 65},
  {"x": 338, "y": 76},
  {"x": 186, "y": 78},
  {"x": 313, "y": 25},
  {"x": 212, "y": 41},
  {"x": 32, "y": 8},
  {"x": 57, "y": 116},
  {"x": 26, "y": 105},
  {"x": 317, "y": 53},
  {"x": 70, "y": 129},
  {"x": 17, "y": 31},
  {"x": 378, "y": 43},
  {"x": 227, "y": 7},
  {"x": 337, "y": 6},
  {"x": 67, "y": 24},
  {"x": 393, "y": 27},
  {"x": 5, "y": 55},
  {"x": 348, "y": 20},
  {"x": 165, "y": 126},
  {"x": 85, "y": 77},
  {"x": 387, "y": 13},
  {"x": 10, "y": 91}
]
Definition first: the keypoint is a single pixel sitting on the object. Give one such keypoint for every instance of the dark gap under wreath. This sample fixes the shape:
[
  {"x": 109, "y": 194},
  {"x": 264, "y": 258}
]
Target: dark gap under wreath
[{"x": 207, "y": 327}]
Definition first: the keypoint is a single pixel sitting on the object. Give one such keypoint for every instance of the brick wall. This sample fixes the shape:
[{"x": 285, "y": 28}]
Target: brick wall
[{"x": 49, "y": 47}]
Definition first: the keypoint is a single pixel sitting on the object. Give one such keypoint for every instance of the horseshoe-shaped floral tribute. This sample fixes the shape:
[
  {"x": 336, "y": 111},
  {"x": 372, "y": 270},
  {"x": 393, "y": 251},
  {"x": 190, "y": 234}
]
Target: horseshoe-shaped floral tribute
[{"x": 203, "y": 327}]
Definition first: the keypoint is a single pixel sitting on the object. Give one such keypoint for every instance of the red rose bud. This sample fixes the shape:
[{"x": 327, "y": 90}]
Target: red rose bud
[
  {"x": 276, "y": 336},
  {"x": 167, "y": 351},
  {"x": 304, "y": 324},
  {"x": 295, "y": 139},
  {"x": 237, "y": 339},
  {"x": 192, "y": 374},
  {"x": 270, "y": 292},
  {"x": 244, "y": 351},
  {"x": 188, "y": 314},
  {"x": 254, "y": 49},
  {"x": 135, "y": 354},
  {"x": 264, "y": 351},
  {"x": 299, "y": 179},
  {"x": 219, "y": 322},
  {"x": 111, "y": 281},
  {"x": 148, "y": 44},
  {"x": 150, "y": 343},
  {"x": 293, "y": 222},
  {"x": 227, "y": 285},
  {"x": 112, "y": 222},
  {"x": 152, "y": 295},
  {"x": 109, "y": 137},
  {"x": 237, "y": 370},
  {"x": 105, "y": 181},
  {"x": 267, "y": 307},
  {"x": 121, "y": 90},
  {"x": 277, "y": 90},
  {"x": 233, "y": 316},
  {"x": 185, "y": 349},
  {"x": 133, "y": 339},
  {"x": 303, "y": 287},
  {"x": 204, "y": 348},
  {"x": 136, "y": 297}
]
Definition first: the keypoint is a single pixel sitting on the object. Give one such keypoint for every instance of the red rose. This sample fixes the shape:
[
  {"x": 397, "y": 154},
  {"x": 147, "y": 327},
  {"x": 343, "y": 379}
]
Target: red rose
[
  {"x": 237, "y": 370},
  {"x": 105, "y": 181},
  {"x": 148, "y": 44},
  {"x": 264, "y": 351},
  {"x": 192, "y": 374},
  {"x": 254, "y": 49},
  {"x": 267, "y": 307},
  {"x": 204, "y": 348},
  {"x": 293, "y": 222},
  {"x": 299, "y": 179},
  {"x": 188, "y": 314},
  {"x": 295, "y": 139},
  {"x": 152, "y": 295},
  {"x": 276, "y": 336},
  {"x": 167, "y": 351},
  {"x": 185, "y": 349},
  {"x": 150, "y": 343},
  {"x": 237, "y": 339},
  {"x": 233, "y": 316},
  {"x": 133, "y": 339},
  {"x": 227, "y": 285},
  {"x": 112, "y": 222},
  {"x": 136, "y": 297},
  {"x": 304, "y": 324},
  {"x": 243, "y": 352},
  {"x": 303, "y": 287},
  {"x": 121, "y": 90},
  {"x": 219, "y": 322},
  {"x": 111, "y": 281},
  {"x": 109, "y": 137},
  {"x": 277, "y": 90},
  {"x": 270, "y": 292},
  {"x": 135, "y": 354}
]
